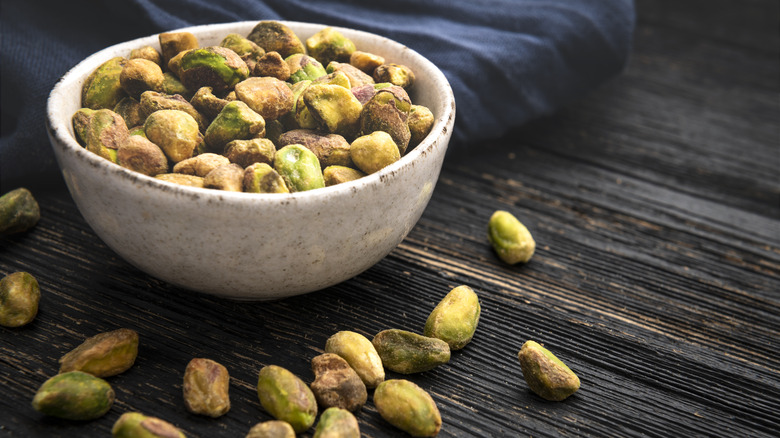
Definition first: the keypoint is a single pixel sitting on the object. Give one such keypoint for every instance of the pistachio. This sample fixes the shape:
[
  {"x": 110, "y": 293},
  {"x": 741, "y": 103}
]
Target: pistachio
[
  {"x": 103, "y": 355},
  {"x": 227, "y": 177},
  {"x": 407, "y": 353},
  {"x": 173, "y": 43},
  {"x": 408, "y": 407},
  {"x": 396, "y": 74},
  {"x": 374, "y": 151},
  {"x": 74, "y": 396},
  {"x": 334, "y": 108},
  {"x": 206, "y": 388},
  {"x": 454, "y": 320},
  {"x": 420, "y": 122},
  {"x": 545, "y": 374},
  {"x": 361, "y": 355},
  {"x": 247, "y": 152},
  {"x": 102, "y": 89},
  {"x": 336, "y": 384},
  {"x": 511, "y": 240},
  {"x": 262, "y": 178},
  {"x": 273, "y": 65},
  {"x": 130, "y": 111},
  {"x": 329, "y": 45},
  {"x": 216, "y": 67},
  {"x": 337, "y": 423},
  {"x": 304, "y": 68},
  {"x": 364, "y": 93},
  {"x": 388, "y": 110},
  {"x": 206, "y": 102},
  {"x": 286, "y": 397},
  {"x": 172, "y": 85},
  {"x": 174, "y": 64},
  {"x": 366, "y": 62},
  {"x": 139, "y": 75},
  {"x": 200, "y": 165},
  {"x": 181, "y": 179},
  {"x": 356, "y": 76},
  {"x": 19, "y": 298},
  {"x": 139, "y": 154},
  {"x": 271, "y": 429},
  {"x": 299, "y": 167},
  {"x": 269, "y": 97},
  {"x": 80, "y": 121},
  {"x": 106, "y": 131},
  {"x": 335, "y": 78},
  {"x": 340, "y": 174},
  {"x": 152, "y": 101},
  {"x": 273, "y": 130},
  {"x": 19, "y": 211},
  {"x": 236, "y": 121},
  {"x": 138, "y": 425},
  {"x": 147, "y": 52},
  {"x": 274, "y": 36},
  {"x": 244, "y": 48},
  {"x": 330, "y": 149},
  {"x": 299, "y": 116},
  {"x": 175, "y": 132}
]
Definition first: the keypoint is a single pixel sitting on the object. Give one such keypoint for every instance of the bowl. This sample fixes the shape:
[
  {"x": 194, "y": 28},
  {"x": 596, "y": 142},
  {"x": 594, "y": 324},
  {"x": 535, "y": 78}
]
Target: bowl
[{"x": 249, "y": 246}]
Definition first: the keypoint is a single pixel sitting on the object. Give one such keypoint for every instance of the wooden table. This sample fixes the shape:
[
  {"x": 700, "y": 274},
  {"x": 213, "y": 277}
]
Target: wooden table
[{"x": 654, "y": 204}]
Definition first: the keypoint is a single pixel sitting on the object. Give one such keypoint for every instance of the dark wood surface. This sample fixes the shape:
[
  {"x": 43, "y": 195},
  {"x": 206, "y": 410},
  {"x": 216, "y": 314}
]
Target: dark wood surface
[{"x": 654, "y": 204}]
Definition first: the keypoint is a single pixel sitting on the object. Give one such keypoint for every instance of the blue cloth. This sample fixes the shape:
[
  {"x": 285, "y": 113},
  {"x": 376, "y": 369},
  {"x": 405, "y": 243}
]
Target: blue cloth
[{"x": 508, "y": 61}]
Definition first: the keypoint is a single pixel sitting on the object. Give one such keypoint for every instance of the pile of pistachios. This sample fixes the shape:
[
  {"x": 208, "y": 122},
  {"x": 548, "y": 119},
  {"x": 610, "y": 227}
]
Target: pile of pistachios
[{"x": 262, "y": 113}]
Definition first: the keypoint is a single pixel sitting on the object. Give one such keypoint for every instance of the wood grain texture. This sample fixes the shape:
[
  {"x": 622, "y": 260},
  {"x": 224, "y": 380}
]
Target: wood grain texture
[{"x": 655, "y": 206}]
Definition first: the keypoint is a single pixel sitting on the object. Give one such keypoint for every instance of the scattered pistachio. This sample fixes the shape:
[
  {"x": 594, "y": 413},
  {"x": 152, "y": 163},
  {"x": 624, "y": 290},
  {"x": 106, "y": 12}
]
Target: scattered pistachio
[
  {"x": 396, "y": 74},
  {"x": 337, "y": 423},
  {"x": 374, "y": 151},
  {"x": 19, "y": 298},
  {"x": 328, "y": 44},
  {"x": 19, "y": 211},
  {"x": 454, "y": 320},
  {"x": 299, "y": 167},
  {"x": 141, "y": 155},
  {"x": 339, "y": 174},
  {"x": 138, "y": 425},
  {"x": 74, "y": 396},
  {"x": 330, "y": 149},
  {"x": 271, "y": 429},
  {"x": 206, "y": 388},
  {"x": 175, "y": 132},
  {"x": 511, "y": 240},
  {"x": 228, "y": 177},
  {"x": 336, "y": 384},
  {"x": 262, "y": 178},
  {"x": 545, "y": 374},
  {"x": 407, "y": 353},
  {"x": 286, "y": 397},
  {"x": 274, "y": 36},
  {"x": 408, "y": 407},
  {"x": 103, "y": 355},
  {"x": 102, "y": 89},
  {"x": 361, "y": 355}
]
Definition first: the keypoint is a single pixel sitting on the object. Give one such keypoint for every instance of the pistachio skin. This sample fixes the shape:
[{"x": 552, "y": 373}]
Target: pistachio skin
[
  {"x": 228, "y": 177},
  {"x": 20, "y": 295},
  {"x": 271, "y": 429},
  {"x": 80, "y": 122},
  {"x": 19, "y": 211},
  {"x": 103, "y": 355},
  {"x": 206, "y": 102},
  {"x": 336, "y": 384},
  {"x": 408, "y": 407},
  {"x": 236, "y": 121},
  {"x": 274, "y": 36},
  {"x": 356, "y": 76},
  {"x": 371, "y": 153},
  {"x": 206, "y": 388},
  {"x": 247, "y": 152},
  {"x": 545, "y": 374},
  {"x": 299, "y": 167},
  {"x": 337, "y": 423},
  {"x": 102, "y": 89},
  {"x": 138, "y": 425},
  {"x": 330, "y": 149},
  {"x": 139, "y": 154},
  {"x": 74, "y": 396},
  {"x": 406, "y": 352},
  {"x": 510, "y": 239},
  {"x": 454, "y": 320},
  {"x": 361, "y": 355},
  {"x": 272, "y": 65},
  {"x": 262, "y": 178},
  {"x": 130, "y": 110},
  {"x": 106, "y": 131},
  {"x": 286, "y": 397},
  {"x": 388, "y": 111},
  {"x": 329, "y": 45}
]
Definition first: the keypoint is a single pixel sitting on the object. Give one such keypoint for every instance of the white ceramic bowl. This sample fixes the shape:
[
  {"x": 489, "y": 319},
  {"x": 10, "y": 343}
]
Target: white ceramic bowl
[{"x": 253, "y": 246}]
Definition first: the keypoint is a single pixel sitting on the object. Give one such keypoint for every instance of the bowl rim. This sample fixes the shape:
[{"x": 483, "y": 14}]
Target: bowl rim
[{"x": 60, "y": 128}]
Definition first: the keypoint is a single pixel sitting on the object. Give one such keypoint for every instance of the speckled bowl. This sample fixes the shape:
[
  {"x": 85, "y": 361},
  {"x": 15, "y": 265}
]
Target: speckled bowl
[{"x": 253, "y": 246}]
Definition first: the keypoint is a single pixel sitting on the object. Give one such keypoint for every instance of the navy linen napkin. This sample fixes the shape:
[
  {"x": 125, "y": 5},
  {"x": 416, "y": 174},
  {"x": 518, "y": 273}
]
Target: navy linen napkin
[{"x": 508, "y": 61}]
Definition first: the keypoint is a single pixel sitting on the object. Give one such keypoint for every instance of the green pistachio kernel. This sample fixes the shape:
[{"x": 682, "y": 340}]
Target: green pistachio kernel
[
  {"x": 130, "y": 110},
  {"x": 206, "y": 102},
  {"x": 361, "y": 355},
  {"x": 299, "y": 167},
  {"x": 102, "y": 89},
  {"x": 106, "y": 131},
  {"x": 246, "y": 49},
  {"x": 329, "y": 45},
  {"x": 274, "y": 36},
  {"x": 407, "y": 353},
  {"x": 19, "y": 211},
  {"x": 19, "y": 298},
  {"x": 454, "y": 320},
  {"x": 396, "y": 74},
  {"x": 262, "y": 178},
  {"x": 334, "y": 108},
  {"x": 215, "y": 67},
  {"x": 236, "y": 121},
  {"x": 80, "y": 121},
  {"x": 337, "y": 423},
  {"x": 304, "y": 68},
  {"x": 152, "y": 101},
  {"x": 138, "y": 425},
  {"x": 172, "y": 85},
  {"x": 511, "y": 240},
  {"x": 545, "y": 374},
  {"x": 247, "y": 152},
  {"x": 286, "y": 397},
  {"x": 356, "y": 76},
  {"x": 103, "y": 355},
  {"x": 374, "y": 151},
  {"x": 420, "y": 122},
  {"x": 408, "y": 407},
  {"x": 74, "y": 396},
  {"x": 330, "y": 149}
]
